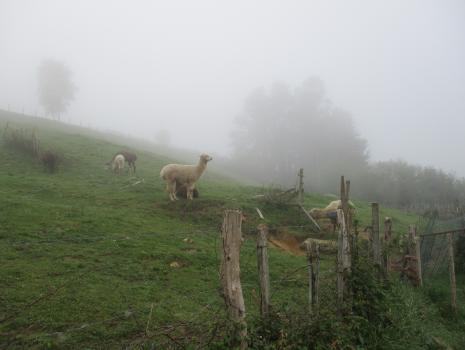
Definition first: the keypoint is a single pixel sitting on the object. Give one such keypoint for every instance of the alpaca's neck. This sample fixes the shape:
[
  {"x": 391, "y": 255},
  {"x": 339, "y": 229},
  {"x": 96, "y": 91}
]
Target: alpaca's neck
[{"x": 201, "y": 166}]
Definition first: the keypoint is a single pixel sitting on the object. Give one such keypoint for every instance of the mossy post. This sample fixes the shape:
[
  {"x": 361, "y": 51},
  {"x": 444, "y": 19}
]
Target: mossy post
[
  {"x": 343, "y": 249},
  {"x": 316, "y": 275},
  {"x": 376, "y": 244},
  {"x": 230, "y": 273},
  {"x": 387, "y": 240},
  {"x": 300, "y": 190},
  {"x": 263, "y": 269},
  {"x": 453, "y": 287},
  {"x": 413, "y": 257},
  {"x": 308, "y": 248},
  {"x": 313, "y": 263}
]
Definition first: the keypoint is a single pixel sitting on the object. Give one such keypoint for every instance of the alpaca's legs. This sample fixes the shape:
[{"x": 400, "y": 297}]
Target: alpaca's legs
[
  {"x": 171, "y": 188},
  {"x": 190, "y": 191}
]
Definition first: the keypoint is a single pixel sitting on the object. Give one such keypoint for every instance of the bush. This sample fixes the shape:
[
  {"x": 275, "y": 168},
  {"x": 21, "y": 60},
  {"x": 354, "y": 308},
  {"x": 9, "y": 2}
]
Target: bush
[
  {"x": 50, "y": 160},
  {"x": 21, "y": 140}
]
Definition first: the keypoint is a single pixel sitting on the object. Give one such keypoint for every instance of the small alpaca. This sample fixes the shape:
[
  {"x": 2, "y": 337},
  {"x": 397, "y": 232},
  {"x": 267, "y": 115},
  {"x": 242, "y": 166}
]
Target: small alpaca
[
  {"x": 184, "y": 175},
  {"x": 117, "y": 165},
  {"x": 130, "y": 158}
]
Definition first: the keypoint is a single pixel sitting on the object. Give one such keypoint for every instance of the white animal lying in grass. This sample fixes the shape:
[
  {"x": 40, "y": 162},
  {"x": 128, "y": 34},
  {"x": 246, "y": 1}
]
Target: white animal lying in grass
[
  {"x": 185, "y": 175},
  {"x": 330, "y": 210}
]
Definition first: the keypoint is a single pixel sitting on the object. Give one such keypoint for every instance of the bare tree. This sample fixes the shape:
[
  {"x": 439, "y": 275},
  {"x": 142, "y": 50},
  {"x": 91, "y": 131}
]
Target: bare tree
[{"x": 55, "y": 89}]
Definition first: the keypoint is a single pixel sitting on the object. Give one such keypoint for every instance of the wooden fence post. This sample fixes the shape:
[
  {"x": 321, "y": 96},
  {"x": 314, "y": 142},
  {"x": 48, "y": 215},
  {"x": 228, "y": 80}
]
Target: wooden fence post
[
  {"x": 308, "y": 246},
  {"x": 343, "y": 260},
  {"x": 230, "y": 272},
  {"x": 263, "y": 270},
  {"x": 387, "y": 241},
  {"x": 375, "y": 234},
  {"x": 313, "y": 260},
  {"x": 316, "y": 276},
  {"x": 453, "y": 288},
  {"x": 418, "y": 258},
  {"x": 301, "y": 187}
]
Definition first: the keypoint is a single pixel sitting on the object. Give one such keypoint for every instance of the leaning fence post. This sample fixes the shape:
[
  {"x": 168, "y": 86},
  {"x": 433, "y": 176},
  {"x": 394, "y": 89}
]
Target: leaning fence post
[
  {"x": 453, "y": 288},
  {"x": 230, "y": 272},
  {"x": 375, "y": 233},
  {"x": 263, "y": 269}
]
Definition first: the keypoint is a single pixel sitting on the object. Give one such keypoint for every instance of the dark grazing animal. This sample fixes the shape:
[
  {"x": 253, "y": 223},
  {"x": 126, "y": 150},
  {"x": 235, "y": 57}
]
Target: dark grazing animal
[
  {"x": 49, "y": 160},
  {"x": 130, "y": 159}
]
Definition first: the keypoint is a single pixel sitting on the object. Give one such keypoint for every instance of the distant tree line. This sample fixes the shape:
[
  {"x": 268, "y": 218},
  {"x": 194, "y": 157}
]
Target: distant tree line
[{"x": 281, "y": 130}]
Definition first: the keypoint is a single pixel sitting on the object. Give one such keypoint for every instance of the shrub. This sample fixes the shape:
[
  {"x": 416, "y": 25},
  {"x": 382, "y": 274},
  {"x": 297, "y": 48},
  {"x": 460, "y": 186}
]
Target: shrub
[
  {"x": 50, "y": 160},
  {"x": 21, "y": 140}
]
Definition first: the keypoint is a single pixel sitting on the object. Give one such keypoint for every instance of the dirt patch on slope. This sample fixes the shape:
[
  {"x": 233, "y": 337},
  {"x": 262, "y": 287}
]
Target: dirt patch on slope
[
  {"x": 288, "y": 243},
  {"x": 294, "y": 244}
]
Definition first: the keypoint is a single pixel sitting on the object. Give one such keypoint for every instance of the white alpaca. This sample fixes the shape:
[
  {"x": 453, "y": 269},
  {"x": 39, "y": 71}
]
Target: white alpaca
[
  {"x": 330, "y": 212},
  {"x": 318, "y": 213},
  {"x": 184, "y": 175},
  {"x": 117, "y": 165}
]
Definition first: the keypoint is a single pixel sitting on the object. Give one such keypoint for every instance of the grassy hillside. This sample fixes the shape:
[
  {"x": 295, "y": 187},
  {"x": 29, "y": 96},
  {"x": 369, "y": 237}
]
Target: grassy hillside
[{"x": 86, "y": 254}]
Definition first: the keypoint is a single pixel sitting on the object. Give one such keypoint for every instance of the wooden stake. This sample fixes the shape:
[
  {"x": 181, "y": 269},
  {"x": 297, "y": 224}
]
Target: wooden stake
[
  {"x": 453, "y": 287},
  {"x": 301, "y": 187},
  {"x": 308, "y": 246},
  {"x": 387, "y": 240},
  {"x": 263, "y": 269},
  {"x": 313, "y": 262},
  {"x": 230, "y": 272},
  {"x": 343, "y": 260},
  {"x": 418, "y": 256},
  {"x": 318, "y": 228},
  {"x": 316, "y": 275},
  {"x": 375, "y": 233}
]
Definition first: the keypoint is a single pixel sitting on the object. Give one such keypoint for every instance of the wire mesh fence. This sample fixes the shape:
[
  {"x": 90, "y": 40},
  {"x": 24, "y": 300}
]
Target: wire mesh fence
[{"x": 443, "y": 260}]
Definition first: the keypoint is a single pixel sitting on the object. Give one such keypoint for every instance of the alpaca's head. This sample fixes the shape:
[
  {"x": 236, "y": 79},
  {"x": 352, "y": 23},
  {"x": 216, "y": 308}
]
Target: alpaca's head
[{"x": 205, "y": 158}]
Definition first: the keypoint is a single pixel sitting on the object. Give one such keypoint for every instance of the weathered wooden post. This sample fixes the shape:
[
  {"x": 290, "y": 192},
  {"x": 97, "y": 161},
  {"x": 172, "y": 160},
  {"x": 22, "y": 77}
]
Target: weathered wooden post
[
  {"x": 263, "y": 269},
  {"x": 453, "y": 287},
  {"x": 300, "y": 197},
  {"x": 343, "y": 247},
  {"x": 308, "y": 246},
  {"x": 230, "y": 272},
  {"x": 412, "y": 259},
  {"x": 387, "y": 241},
  {"x": 313, "y": 261},
  {"x": 346, "y": 208},
  {"x": 418, "y": 257},
  {"x": 343, "y": 260},
  {"x": 375, "y": 234},
  {"x": 316, "y": 276}
]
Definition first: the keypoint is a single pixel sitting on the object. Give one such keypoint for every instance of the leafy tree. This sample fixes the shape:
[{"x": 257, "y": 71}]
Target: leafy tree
[
  {"x": 282, "y": 130},
  {"x": 55, "y": 88}
]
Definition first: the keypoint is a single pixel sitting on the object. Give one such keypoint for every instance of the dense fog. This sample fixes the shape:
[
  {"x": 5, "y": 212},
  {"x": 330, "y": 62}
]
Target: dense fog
[{"x": 184, "y": 72}]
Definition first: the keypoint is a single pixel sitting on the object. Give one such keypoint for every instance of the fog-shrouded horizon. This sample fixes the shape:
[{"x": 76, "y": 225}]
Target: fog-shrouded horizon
[{"x": 188, "y": 66}]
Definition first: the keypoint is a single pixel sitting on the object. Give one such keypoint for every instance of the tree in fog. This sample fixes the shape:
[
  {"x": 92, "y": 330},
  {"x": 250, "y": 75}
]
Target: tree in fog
[
  {"x": 397, "y": 183},
  {"x": 55, "y": 87},
  {"x": 282, "y": 130},
  {"x": 163, "y": 137}
]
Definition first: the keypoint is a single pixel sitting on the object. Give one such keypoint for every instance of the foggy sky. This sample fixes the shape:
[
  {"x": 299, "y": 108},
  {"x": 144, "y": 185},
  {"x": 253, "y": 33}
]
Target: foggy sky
[{"x": 397, "y": 66}]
